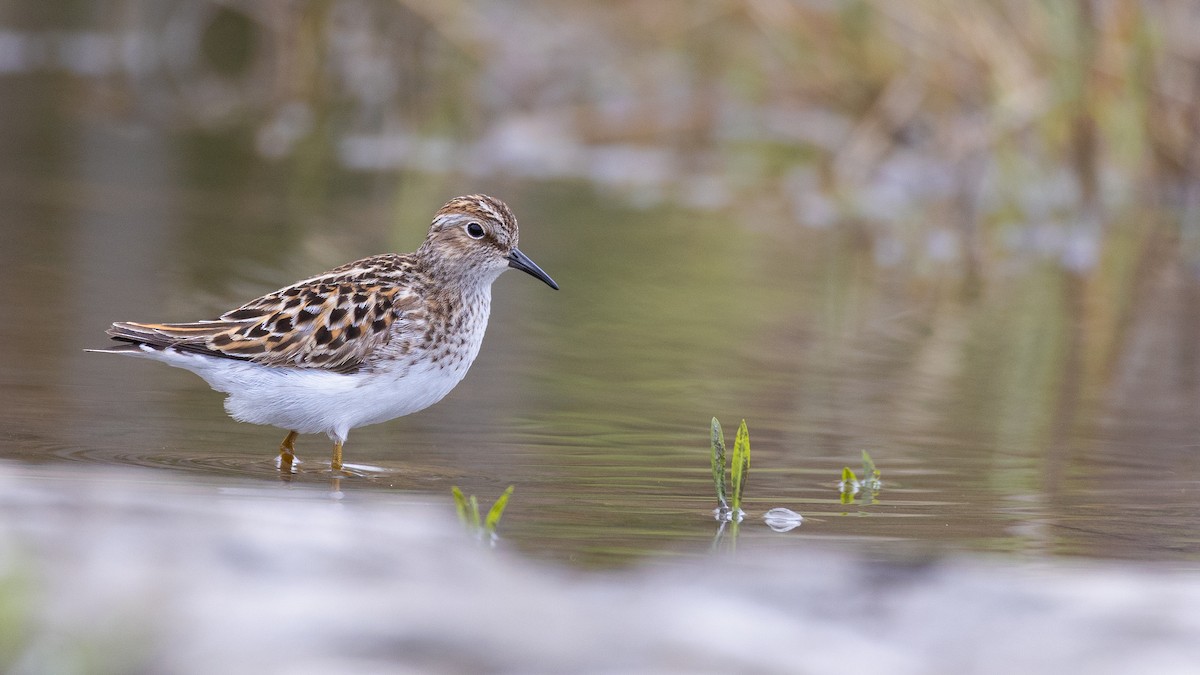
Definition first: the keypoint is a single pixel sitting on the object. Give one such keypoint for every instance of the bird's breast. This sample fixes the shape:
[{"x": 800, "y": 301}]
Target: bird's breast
[{"x": 445, "y": 335}]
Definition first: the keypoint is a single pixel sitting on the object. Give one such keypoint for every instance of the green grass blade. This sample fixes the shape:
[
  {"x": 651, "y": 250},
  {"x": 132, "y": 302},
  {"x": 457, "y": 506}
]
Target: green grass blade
[
  {"x": 740, "y": 465},
  {"x": 848, "y": 475},
  {"x": 869, "y": 465},
  {"x": 460, "y": 505},
  {"x": 497, "y": 510},
  {"x": 474, "y": 512},
  {"x": 718, "y": 462}
]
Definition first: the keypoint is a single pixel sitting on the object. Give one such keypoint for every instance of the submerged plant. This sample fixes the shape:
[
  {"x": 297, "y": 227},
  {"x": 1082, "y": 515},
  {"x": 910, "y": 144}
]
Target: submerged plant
[
  {"x": 468, "y": 512},
  {"x": 739, "y": 467},
  {"x": 729, "y": 492},
  {"x": 871, "y": 475},
  {"x": 850, "y": 485}
]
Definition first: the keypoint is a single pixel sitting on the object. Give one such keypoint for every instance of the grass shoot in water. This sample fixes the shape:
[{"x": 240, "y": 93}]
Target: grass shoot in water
[
  {"x": 850, "y": 485},
  {"x": 468, "y": 513},
  {"x": 729, "y": 496}
]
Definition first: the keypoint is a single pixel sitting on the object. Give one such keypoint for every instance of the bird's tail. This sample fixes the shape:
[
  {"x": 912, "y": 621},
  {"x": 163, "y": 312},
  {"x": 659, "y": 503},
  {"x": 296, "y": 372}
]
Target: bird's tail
[{"x": 144, "y": 338}]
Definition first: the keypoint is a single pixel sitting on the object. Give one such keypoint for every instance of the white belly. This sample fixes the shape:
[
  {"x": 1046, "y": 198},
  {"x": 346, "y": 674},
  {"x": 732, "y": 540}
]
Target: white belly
[{"x": 310, "y": 401}]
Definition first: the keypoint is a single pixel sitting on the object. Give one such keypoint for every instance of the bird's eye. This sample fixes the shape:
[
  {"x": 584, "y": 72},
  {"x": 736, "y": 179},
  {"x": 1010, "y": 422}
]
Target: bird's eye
[{"x": 475, "y": 230}]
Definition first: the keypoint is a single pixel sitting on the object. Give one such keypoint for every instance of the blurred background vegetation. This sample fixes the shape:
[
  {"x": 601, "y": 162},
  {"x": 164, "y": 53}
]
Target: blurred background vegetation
[{"x": 947, "y": 137}]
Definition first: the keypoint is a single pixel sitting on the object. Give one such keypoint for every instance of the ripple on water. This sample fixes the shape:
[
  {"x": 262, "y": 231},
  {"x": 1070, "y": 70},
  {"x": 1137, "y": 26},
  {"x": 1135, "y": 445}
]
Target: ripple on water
[{"x": 403, "y": 475}]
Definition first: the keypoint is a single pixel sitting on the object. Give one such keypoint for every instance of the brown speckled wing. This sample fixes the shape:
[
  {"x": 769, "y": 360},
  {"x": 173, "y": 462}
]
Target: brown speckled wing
[{"x": 333, "y": 321}]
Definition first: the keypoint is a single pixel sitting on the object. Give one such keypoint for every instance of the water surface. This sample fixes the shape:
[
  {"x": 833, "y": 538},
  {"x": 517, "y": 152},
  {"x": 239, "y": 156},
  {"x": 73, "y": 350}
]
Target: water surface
[{"x": 1040, "y": 413}]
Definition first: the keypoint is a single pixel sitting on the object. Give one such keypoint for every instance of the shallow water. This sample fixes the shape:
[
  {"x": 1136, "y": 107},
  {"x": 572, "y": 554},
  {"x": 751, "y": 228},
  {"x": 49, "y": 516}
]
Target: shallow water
[
  {"x": 1031, "y": 417},
  {"x": 594, "y": 401}
]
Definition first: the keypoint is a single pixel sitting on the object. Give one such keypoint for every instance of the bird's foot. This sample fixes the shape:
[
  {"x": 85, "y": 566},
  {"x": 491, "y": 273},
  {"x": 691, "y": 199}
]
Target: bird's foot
[{"x": 287, "y": 452}]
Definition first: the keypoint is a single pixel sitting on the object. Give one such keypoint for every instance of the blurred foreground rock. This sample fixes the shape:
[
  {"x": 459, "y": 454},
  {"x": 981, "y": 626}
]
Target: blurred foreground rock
[{"x": 133, "y": 572}]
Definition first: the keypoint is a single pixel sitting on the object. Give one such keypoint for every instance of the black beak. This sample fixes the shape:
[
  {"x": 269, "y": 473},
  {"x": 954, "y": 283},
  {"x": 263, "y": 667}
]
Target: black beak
[{"x": 520, "y": 261}]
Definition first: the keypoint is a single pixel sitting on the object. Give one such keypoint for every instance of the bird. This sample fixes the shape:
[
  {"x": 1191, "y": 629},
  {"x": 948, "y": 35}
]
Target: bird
[{"x": 364, "y": 343}]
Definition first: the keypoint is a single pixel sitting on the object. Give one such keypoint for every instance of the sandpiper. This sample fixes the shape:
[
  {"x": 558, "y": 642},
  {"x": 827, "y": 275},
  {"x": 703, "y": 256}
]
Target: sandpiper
[{"x": 363, "y": 343}]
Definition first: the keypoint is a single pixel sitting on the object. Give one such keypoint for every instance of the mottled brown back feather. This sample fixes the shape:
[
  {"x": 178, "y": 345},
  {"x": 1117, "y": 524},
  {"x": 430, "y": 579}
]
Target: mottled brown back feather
[{"x": 332, "y": 321}]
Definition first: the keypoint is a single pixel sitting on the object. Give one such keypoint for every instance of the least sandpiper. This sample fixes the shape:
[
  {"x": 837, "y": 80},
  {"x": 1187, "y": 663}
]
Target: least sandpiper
[{"x": 363, "y": 343}]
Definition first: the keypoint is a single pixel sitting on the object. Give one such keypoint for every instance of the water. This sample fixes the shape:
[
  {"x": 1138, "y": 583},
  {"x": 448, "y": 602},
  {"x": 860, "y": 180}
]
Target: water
[{"x": 1018, "y": 421}]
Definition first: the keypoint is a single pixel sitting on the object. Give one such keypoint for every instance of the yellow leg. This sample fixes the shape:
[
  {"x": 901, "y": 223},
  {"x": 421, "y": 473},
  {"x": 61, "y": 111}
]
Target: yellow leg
[
  {"x": 287, "y": 451},
  {"x": 337, "y": 456}
]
